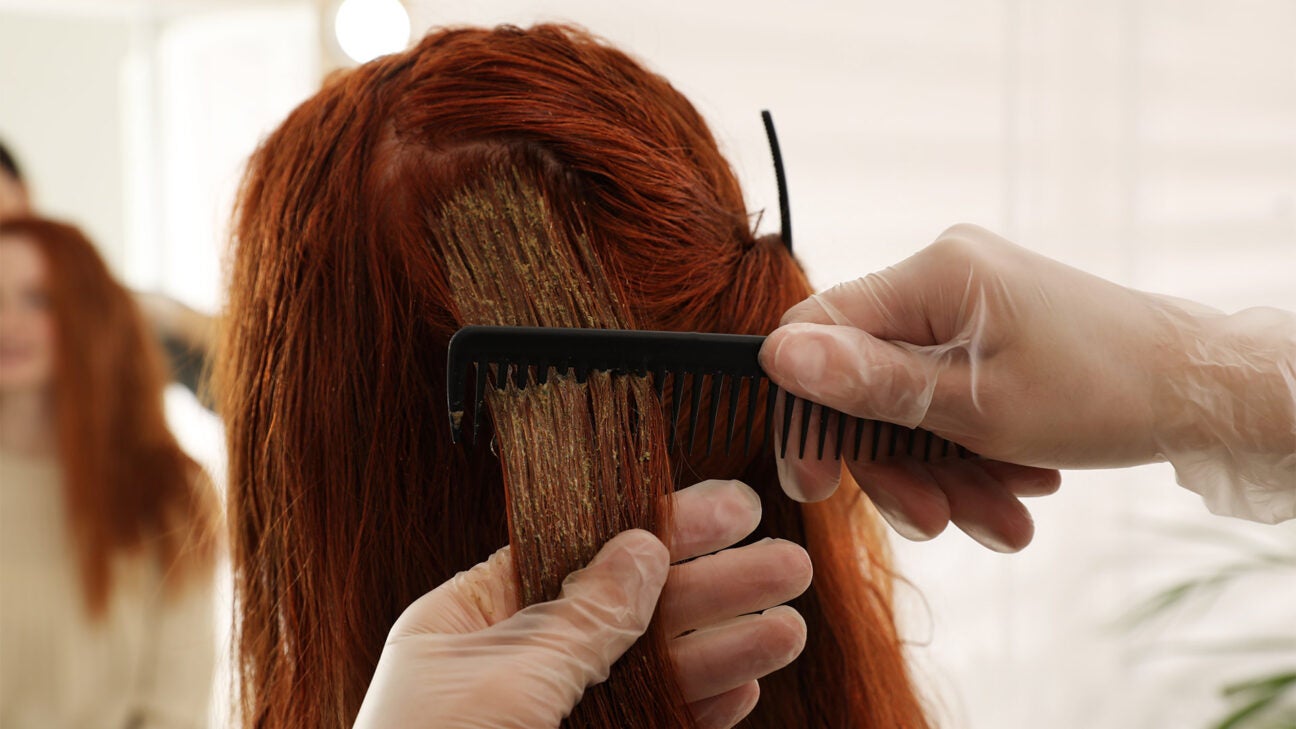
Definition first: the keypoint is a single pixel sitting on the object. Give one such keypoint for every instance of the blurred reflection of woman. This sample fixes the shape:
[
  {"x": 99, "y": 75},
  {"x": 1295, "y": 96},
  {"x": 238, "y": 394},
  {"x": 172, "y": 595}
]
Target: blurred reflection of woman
[
  {"x": 186, "y": 334},
  {"x": 108, "y": 531}
]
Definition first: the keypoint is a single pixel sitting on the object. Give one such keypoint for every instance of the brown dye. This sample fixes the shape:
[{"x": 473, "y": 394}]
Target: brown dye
[{"x": 502, "y": 236}]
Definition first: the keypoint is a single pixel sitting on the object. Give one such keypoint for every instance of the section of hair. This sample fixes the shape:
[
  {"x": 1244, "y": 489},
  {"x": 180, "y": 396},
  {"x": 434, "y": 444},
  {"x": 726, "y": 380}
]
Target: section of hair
[
  {"x": 510, "y": 261},
  {"x": 581, "y": 462},
  {"x": 348, "y": 499},
  {"x": 129, "y": 487}
]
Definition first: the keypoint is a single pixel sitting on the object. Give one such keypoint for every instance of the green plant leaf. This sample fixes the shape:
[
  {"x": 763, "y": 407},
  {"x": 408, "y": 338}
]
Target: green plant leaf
[
  {"x": 1204, "y": 586},
  {"x": 1259, "y": 695},
  {"x": 1274, "y": 684}
]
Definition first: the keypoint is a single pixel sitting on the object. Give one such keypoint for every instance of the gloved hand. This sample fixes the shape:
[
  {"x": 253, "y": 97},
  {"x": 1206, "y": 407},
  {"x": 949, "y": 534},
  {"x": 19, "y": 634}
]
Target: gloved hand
[
  {"x": 1035, "y": 366},
  {"x": 463, "y": 656}
]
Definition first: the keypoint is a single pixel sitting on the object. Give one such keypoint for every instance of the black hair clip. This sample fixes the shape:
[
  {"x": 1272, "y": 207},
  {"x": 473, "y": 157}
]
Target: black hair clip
[{"x": 785, "y": 216}]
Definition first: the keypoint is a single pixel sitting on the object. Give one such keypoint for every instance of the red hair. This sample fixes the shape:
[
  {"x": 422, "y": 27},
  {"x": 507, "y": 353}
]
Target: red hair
[
  {"x": 128, "y": 486},
  {"x": 348, "y": 500}
]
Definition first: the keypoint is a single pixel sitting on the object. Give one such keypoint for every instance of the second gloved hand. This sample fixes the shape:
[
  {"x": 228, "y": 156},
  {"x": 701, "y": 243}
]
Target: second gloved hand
[{"x": 1035, "y": 365}]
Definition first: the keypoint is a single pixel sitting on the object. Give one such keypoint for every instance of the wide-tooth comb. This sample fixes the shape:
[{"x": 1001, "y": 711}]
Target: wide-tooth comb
[{"x": 691, "y": 361}]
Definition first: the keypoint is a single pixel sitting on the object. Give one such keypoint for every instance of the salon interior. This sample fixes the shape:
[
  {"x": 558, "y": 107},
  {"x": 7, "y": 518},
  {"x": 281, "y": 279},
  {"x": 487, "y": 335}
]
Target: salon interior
[{"x": 1151, "y": 143}]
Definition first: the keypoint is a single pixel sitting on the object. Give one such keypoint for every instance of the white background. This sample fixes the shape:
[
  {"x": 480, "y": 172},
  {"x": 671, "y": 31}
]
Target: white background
[{"x": 1152, "y": 142}]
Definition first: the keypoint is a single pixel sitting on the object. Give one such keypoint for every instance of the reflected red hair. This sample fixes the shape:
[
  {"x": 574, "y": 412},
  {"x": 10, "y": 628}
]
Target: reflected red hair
[
  {"x": 128, "y": 486},
  {"x": 348, "y": 500}
]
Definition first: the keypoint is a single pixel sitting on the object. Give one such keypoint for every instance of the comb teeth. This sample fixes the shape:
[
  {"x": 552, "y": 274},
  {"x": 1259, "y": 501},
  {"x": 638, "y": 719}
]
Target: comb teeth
[{"x": 710, "y": 370}]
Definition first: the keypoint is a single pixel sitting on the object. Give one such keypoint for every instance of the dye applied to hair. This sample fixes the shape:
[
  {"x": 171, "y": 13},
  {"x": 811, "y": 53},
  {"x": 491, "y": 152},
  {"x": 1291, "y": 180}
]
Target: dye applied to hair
[{"x": 582, "y": 462}]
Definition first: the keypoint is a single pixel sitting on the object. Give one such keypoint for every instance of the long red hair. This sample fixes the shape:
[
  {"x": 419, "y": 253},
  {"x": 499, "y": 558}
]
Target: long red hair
[
  {"x": 347, "y": 499},
  {"x": 128, "y": 487}
]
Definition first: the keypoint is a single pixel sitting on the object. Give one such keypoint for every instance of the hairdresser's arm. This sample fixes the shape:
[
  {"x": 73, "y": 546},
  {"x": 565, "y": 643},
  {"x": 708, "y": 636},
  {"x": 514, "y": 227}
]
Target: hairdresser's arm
[
  {"x": 1027, "y": 361},
  {"x": 464, "y": 656}
]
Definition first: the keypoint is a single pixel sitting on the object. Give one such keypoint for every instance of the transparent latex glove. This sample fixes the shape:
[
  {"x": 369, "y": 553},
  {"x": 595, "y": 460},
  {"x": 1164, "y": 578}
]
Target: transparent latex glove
[
  {"x": 463, "y": 656},
  {"x": 1036, "y": 366}
]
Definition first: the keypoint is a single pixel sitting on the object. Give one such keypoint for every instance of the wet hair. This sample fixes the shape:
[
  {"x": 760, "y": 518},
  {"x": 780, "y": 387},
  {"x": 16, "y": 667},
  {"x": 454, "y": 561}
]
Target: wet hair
[
  {"x": 514, "y": 176},
  {"x": 129, "y": 488}
]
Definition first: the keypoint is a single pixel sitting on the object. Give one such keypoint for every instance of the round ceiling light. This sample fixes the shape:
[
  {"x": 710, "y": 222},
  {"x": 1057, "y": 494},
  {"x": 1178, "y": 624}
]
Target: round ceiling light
[{"x": 367, "y": 29}]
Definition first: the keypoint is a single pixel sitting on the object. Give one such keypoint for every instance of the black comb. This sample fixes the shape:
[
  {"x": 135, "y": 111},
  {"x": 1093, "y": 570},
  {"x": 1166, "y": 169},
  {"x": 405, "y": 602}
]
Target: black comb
[{"x": 725, "y": 365}]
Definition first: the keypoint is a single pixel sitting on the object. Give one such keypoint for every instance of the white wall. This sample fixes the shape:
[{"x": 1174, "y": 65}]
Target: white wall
[{"x": 69, "y": 140}]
